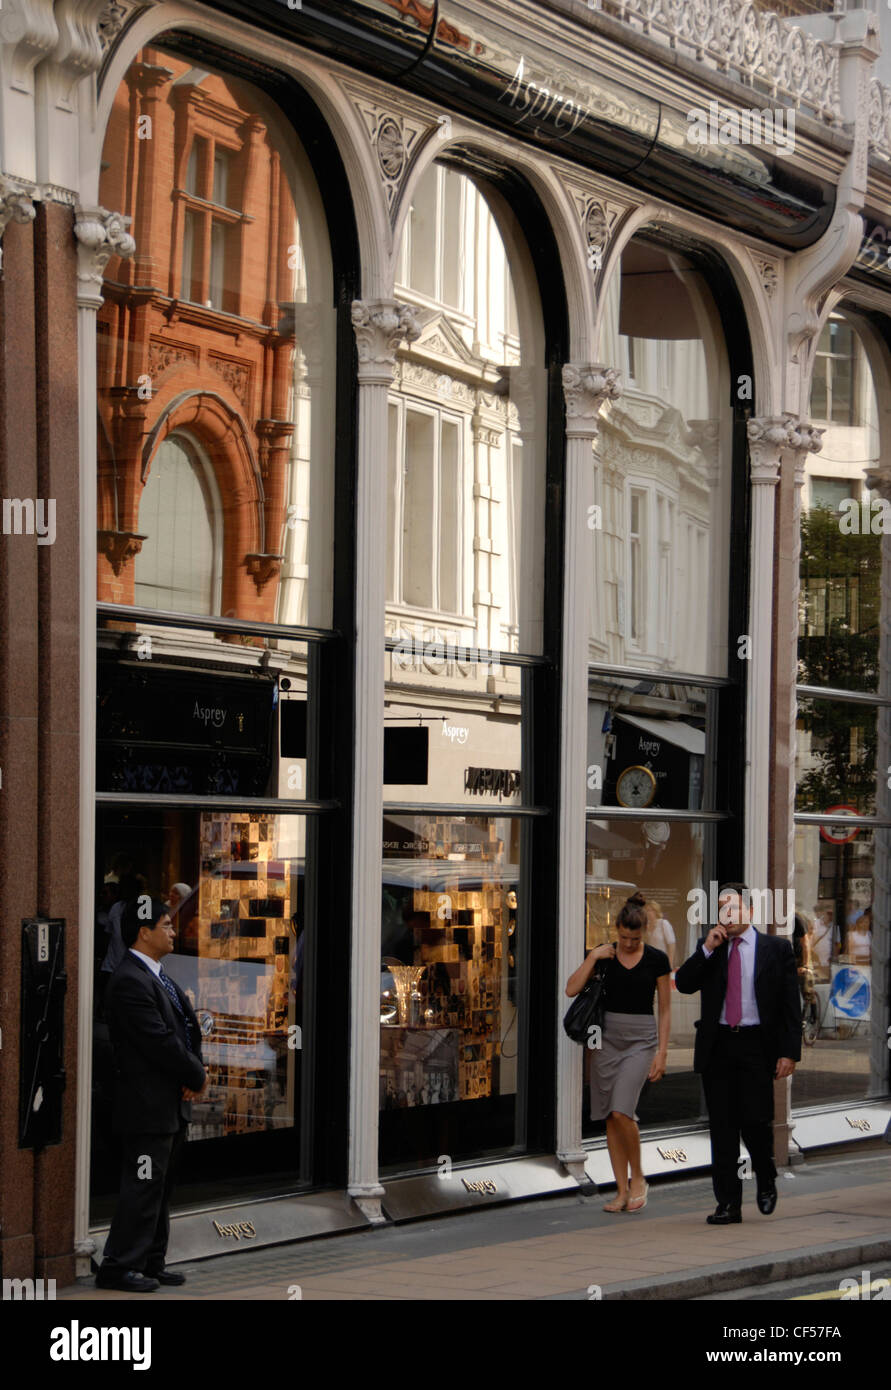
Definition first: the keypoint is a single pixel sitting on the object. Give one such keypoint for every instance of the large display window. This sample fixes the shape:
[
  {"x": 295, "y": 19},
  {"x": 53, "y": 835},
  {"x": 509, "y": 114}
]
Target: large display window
[
  {"x": 843, "y": 749},
  {"x": 467, "y": 682},
  {"x": 220, "y": 669},
  {"x": 667, "y": 571}
]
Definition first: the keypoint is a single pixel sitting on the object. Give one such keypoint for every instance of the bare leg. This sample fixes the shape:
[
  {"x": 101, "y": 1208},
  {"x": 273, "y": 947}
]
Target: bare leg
[
  {"x": 630, "y": 1139},
  {"x": 618, "y": 1157}
]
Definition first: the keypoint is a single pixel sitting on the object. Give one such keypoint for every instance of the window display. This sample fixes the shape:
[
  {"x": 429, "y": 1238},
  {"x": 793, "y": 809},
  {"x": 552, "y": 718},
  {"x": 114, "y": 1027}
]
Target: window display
[
  {"x": 448, "y": 963},
  {"x": 234, "y": 883}
]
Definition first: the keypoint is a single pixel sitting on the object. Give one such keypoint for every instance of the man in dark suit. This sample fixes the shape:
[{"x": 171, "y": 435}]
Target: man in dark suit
[
  {"x": 748, "y": 1035},
  {"x": 159, "y": 1070}
]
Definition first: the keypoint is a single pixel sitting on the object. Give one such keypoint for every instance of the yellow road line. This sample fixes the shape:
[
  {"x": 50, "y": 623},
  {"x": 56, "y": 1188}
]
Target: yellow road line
[{"x": 841, "y": 1293}]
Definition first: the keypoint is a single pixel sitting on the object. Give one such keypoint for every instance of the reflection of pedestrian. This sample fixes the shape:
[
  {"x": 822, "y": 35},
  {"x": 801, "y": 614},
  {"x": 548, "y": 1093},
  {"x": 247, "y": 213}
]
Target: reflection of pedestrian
[
  {"x": 660, "y": 932},
  {"x": 628, "y": 1055},
  {"x": 858, "y": 940},
  {"x": 749, "y": 1034},
  {"x": 157, "y": 1049}
]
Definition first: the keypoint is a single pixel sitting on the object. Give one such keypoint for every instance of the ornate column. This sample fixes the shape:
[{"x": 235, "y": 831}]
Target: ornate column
[
  {"x": 878, "y": 480},
  {"x": 768, "y": 436},
  {"x": 585, "y": 388},
  {"x": 802, "y": 440},
  {"x": 380, "y": 326},
  {"x": 100, "y": 235}
]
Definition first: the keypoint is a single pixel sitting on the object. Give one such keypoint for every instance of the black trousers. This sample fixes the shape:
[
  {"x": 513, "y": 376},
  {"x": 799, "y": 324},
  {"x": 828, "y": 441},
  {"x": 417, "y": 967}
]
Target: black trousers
[
  {"x": 738, "y": 1085},
  {"x": 140, "y": 1229}
]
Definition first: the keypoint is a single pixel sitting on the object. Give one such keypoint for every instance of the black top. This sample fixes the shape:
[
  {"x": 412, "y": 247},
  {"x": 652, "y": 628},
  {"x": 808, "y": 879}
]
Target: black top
[{"x": 631, "y": 991}]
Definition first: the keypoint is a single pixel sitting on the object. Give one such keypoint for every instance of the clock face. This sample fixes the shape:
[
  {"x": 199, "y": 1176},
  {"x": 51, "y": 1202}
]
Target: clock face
[{"x": 636, "y": 787}]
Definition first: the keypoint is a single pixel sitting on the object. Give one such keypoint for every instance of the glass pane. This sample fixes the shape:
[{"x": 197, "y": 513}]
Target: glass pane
[
  {"x": 840, "y": 940},
  {"x": 469, "y": 496},
  {"x": 257, "y": 403},
  {"x": 177, "y": 568},
  {"x": 220, "y": 177},
  {"x": 444, "y": 747},
  {"x": 234, "y": 885},
  {"x": 647, "y": 744},
  {"x": 418, "y": 509},
  {"x": 840, "y": 596},
  {"x": 835, "y": 764},
  {"x": 449, "y": 952},
  {"x": 664, "y": 451},
  {"x": 235, "y": 724},
  {"x": 664, "y": 862}
]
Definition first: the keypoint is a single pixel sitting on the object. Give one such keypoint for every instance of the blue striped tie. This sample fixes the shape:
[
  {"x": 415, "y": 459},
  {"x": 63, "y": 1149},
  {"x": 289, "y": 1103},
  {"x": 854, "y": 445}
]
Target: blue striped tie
[{"x": 177, "y": 1004}]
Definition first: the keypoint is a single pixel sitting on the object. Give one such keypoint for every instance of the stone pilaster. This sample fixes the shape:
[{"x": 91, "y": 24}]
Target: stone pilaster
[
  {"x": 586, "y": 389},
  {"x": 381, "y": 325},
  {"x": 99, "y": 234}
]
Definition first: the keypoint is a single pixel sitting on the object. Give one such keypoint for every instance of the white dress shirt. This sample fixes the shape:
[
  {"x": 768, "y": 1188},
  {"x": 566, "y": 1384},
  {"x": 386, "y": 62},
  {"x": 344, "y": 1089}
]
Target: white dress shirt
[
  {"x": 153, "y": 965},
  {"x": 748, "y": 944}
]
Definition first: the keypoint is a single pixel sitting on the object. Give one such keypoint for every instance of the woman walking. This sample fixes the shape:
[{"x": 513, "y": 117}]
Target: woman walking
[{"x": 629, "y": 1053}]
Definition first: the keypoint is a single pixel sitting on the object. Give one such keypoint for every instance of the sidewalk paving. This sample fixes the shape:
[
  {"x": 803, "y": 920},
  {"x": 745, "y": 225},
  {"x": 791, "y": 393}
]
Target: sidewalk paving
[{"x": 831, "y": 1214}]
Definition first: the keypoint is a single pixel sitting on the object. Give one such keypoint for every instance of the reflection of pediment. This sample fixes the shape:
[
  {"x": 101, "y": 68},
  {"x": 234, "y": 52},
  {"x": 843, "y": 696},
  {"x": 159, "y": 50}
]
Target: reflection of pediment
[
  {"x": 642, "y": 422},
  {"x": 442, "y": 346}
]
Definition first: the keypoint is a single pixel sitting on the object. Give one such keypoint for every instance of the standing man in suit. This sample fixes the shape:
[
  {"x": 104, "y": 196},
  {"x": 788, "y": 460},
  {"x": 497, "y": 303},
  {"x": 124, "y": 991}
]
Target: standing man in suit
[
  {"x": 748, "y": 1035},
  {"x": 159, "y": 1070}
]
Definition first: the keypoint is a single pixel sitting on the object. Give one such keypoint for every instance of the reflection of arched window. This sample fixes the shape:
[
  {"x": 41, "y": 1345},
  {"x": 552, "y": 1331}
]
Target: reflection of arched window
[
  {"x": 665, "y": 447},
  {"x": 177, "y": 568},
  {"x": 466, "y": 476}
]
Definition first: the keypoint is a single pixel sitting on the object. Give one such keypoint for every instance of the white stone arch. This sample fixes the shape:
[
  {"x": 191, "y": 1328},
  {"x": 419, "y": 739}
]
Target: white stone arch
[
  {"x": 543, "y": 178},
  {"x": 762, "y": 311},
  {"x": 307, "y": 68}
]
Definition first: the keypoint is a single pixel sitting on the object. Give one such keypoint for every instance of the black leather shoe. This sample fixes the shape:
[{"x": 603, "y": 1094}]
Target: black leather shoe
[
  {"x": 724, "y": 1216},
  {"x": 166, "y": 1276},
  {"x": 766, "y": 1199},
  {"x": 131, "y": 1281}
]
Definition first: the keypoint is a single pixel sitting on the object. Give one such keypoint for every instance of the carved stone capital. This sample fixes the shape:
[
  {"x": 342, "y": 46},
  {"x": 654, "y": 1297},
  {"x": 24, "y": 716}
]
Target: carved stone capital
[
  {"x": 804, "y": 439},
  {"x": 586, "y": 388},
  {"x": 119, "y": 547},
  {"x": 381, "y": 325},
  {"x": 100, "y": 235},
  {"x": 16, "y": 205},
  {"x": 769, "y": 436}
]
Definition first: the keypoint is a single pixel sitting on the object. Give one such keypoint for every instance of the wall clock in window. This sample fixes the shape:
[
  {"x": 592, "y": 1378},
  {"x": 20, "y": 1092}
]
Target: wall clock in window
[{"x": 636, "y": 786}]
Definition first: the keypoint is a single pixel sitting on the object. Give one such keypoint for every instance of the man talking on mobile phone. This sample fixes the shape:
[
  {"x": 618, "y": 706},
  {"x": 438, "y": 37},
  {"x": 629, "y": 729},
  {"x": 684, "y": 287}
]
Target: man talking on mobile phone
[{"x": 748, "y": 1036}]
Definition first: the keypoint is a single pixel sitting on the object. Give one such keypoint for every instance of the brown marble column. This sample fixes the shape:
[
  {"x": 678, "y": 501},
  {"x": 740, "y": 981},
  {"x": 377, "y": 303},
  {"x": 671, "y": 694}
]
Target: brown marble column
[
  {"x": 19, "y": 681},
  {"x": 58, "y": 713}
]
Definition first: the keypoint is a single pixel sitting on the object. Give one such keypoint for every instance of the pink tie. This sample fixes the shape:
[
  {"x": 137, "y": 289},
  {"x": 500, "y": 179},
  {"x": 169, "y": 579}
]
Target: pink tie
[{"x": 733, "y": 1001}]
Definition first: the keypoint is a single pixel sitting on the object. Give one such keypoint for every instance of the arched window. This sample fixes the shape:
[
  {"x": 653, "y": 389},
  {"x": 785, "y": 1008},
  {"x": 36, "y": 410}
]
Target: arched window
[{"x": 177, "y": 568}]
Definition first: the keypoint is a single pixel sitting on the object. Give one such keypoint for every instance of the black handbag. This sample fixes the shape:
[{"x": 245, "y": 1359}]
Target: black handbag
[{"x": 587, "y": 1009}]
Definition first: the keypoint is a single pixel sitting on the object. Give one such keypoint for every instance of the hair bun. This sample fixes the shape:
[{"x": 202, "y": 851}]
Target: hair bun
[{"x": 636, "y": 900}]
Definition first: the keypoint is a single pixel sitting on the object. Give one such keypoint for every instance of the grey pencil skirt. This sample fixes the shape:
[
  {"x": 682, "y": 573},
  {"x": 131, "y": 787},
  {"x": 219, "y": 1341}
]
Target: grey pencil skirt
[{"x": 621, "y": 1065}]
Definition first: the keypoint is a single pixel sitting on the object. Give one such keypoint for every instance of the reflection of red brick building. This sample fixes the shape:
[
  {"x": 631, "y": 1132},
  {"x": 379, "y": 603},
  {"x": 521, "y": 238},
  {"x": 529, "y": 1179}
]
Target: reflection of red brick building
[{"x": 189, "y": 335}]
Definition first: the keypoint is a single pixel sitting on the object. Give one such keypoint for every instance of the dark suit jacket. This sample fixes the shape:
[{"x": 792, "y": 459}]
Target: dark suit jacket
[
  {"x": 152, "y": 1061},
  {"x": 776, "y": 994}
]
